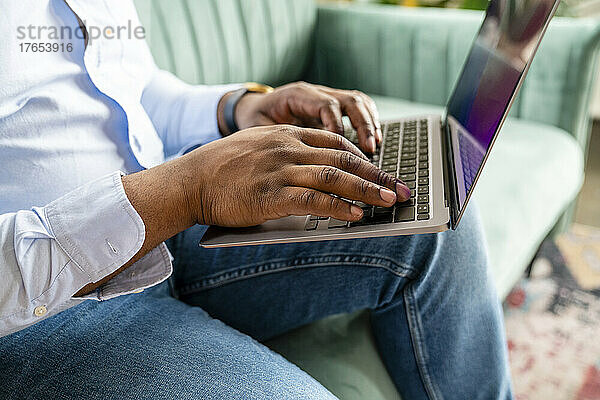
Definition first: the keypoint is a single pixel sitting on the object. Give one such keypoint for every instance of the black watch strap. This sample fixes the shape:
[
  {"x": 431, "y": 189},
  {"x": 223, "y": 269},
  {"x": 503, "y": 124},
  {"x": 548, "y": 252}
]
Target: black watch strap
[{"x": 229, "y": 109}]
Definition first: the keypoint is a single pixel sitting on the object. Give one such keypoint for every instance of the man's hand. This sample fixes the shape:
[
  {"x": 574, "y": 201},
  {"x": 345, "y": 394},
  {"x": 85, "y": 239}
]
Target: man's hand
[
  {"x": 253, "y": 176},
  {"x": 307, "y": 105},
  {"x": 267, "y": 173}
]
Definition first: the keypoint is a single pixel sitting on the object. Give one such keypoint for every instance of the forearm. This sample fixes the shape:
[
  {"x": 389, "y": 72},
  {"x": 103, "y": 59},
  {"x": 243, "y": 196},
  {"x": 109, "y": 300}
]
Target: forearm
[{"x": 158, "y": 196}]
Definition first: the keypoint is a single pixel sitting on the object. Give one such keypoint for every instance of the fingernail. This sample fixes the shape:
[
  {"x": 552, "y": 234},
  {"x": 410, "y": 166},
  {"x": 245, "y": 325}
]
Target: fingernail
[
  {"x": 402, "y": 190},
  {"x": 387, "y": 195},
  {"x": 371, "y": 143},
  {"x": 356, "y": 211}
]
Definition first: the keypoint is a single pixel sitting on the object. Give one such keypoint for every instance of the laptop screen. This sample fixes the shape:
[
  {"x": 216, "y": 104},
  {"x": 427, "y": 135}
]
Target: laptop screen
[{"x": 504, "y": 46}]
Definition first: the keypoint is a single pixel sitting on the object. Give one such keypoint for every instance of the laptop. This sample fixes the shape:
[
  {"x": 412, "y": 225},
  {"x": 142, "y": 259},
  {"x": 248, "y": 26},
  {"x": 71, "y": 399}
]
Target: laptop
[{"x": 439, "y": 157}]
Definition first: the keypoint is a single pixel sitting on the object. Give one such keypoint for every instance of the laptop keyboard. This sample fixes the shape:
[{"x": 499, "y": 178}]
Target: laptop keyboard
[
  {"x": 471, "y": 157},
  {"x": 404, "y": 153}
]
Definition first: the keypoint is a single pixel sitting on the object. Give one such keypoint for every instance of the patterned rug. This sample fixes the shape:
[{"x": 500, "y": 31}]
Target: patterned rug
[{"x": 553, "y": 321}]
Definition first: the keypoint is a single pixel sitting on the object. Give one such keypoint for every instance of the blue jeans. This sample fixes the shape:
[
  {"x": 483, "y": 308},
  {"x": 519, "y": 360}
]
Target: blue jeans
[{"x": 435, "y": 316}]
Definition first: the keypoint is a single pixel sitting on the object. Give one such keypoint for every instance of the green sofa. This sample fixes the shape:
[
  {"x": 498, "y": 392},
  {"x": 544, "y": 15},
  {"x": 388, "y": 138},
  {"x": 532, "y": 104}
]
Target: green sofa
[{"x": 407, "y": 59}]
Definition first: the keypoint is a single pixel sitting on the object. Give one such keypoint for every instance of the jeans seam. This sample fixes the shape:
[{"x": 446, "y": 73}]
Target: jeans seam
[
  {"x": 281, "y": 265},
  {"x": 415, "y": 327}
]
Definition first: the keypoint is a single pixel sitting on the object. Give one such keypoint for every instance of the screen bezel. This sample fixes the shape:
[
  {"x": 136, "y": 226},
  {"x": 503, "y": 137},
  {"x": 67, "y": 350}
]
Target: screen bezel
[{"x": 458, "y": 212}]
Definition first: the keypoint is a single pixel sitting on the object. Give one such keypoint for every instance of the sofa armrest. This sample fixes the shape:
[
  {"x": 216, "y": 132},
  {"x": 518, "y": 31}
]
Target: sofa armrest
[{"x": 417, "y": 53}]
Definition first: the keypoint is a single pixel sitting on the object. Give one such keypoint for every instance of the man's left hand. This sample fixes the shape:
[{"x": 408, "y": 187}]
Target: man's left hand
[{"x": 312, "y": 106}]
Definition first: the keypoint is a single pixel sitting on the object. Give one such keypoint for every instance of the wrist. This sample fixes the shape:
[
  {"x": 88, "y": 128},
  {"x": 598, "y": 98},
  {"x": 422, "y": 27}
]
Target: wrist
[
  {"x": 247, "y": 110},
  {"x": 159, "y": 196},
  {"x": 243, "y": 112},
  {"x": 240, "y": 109},
  {"x": 222, "y": 123}
]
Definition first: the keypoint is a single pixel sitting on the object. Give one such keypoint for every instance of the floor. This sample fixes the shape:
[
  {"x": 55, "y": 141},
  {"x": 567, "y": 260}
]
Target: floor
[
  {"x": 588, "y": 206},
  {"x": 553, "y": 321}
]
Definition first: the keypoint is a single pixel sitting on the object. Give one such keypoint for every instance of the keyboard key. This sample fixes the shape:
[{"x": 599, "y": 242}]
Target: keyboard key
[
  {"x": 423, "y": 199},
  {"x": 336, "y": 223},
  {"x": 422, "y": 217},
  {"x": 423, "y": 190},
  {"x": 423, "y": 173},
  {"x": 411, "y": 184},
  {"x": 413, "y": 193},
  {"x": 311, "y": 225},
  {"x": 407, "y": 177},
  {"x": 423, "y": 181},
  {"x": 423, "y": 150},
  {"x": 383, "y": 215},
  {"x": 408, "y": 163},
  {"x": 423, "y": 165},
  {"x": 404, "y": 214},
  {"x": 407, "y": 203},
  {"x": 408, "y": 170},
  {"x": 423, "y": 157},
  {"x": 423, "y": 209},
  {"x": 361, "y": 222},
  {"x": 364, "y": 206},
  {"x": 408, "y": 156},
  {"x": 389, "y": 169}
]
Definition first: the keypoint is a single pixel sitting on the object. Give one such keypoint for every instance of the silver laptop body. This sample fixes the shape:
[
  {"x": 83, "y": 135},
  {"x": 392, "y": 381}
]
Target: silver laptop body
[{"x": 440, "y": 157}]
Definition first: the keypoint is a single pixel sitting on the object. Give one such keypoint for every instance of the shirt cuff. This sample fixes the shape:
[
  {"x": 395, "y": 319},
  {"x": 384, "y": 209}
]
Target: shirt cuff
[
  {"x": 100, "y": 231},
  {"x": 150, "y": 270}
]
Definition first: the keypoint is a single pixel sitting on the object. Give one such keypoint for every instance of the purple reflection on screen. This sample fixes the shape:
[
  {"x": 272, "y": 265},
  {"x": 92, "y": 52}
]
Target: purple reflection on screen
[{"x": 498, "y": 58}]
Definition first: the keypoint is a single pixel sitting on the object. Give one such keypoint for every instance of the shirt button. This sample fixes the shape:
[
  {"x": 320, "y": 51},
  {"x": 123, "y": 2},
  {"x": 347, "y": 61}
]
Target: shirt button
[{"x": 40, "y": 311}]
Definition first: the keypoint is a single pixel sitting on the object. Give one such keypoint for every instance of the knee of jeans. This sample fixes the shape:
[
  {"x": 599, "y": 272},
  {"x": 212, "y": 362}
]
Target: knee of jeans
[{"x": 458, "y": 259}]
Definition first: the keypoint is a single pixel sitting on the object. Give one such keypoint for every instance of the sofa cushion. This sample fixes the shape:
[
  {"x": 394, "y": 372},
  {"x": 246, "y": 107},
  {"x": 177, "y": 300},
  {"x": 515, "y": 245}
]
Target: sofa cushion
[{"x": 534, "y": 171}]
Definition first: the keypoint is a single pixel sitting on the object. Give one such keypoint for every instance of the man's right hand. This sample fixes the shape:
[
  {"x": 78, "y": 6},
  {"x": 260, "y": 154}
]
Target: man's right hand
[
  {"x": 271, "y": 172},
  {"x": 253, "y": 176}
]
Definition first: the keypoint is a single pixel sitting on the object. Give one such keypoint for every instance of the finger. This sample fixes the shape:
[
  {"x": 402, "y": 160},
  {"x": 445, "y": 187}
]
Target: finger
[
  {"x": 309, "y": 103},
  {"x": 352, "y": 164},
  {"x": 333, "y": 180},
  {"x": 355, "y": 108},
  {"x": 304, "y": 201},
  {"x": 372, "y": 108},
  {"x": 325, "y": 139}
]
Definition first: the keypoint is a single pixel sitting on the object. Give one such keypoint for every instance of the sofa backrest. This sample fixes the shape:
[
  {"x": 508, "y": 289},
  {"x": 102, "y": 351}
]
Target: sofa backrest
[
  {"x": 417, "y": 54},
  {"x": 219, "y": 41}
]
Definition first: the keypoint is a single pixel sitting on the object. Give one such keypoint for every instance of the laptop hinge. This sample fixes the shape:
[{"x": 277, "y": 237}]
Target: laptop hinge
[{"x": 450, "y": 186}]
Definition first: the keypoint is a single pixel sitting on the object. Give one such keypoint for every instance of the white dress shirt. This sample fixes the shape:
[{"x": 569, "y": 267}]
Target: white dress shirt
[{"x": 71, "y": 122}]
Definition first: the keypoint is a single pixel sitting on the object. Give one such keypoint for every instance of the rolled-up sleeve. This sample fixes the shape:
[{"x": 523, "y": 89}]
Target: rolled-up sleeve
[
  {"x": 184, "y": 115},
  {"x": 49, "y": 253}
]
